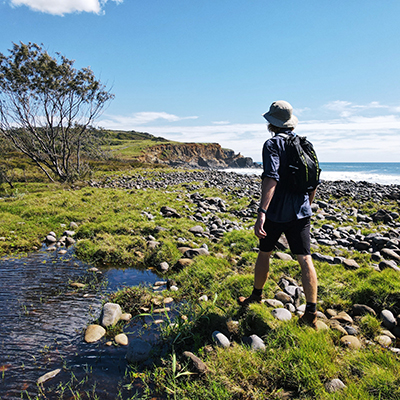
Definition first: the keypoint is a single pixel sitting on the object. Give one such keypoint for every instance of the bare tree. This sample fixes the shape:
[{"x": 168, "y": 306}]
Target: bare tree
[{"x": 46, "y": 107}]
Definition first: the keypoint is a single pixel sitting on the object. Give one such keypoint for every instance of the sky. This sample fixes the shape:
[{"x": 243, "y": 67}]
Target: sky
[{"x": 206, "y": 70}]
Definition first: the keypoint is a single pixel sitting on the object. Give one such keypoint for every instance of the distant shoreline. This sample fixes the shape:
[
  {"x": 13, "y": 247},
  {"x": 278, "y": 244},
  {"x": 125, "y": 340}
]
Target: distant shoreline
[{"x": 381, "y": 173}]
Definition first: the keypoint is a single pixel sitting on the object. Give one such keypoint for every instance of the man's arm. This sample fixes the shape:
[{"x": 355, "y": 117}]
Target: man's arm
[
  {"x": 267, "y": 192},
  {"x": 311, "y": 195}
]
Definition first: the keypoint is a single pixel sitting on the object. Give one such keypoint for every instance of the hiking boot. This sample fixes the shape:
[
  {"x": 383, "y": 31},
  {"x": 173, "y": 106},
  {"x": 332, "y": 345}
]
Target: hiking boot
[
  {"x": 245, "y": 301},
  {"x": 309, "y": 319}
]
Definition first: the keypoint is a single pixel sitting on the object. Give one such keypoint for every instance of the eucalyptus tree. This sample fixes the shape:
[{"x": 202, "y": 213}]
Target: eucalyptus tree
[{"x": 47, "y": 108}]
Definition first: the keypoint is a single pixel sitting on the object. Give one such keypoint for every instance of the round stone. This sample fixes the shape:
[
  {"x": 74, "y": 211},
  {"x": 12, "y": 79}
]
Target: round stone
[{"x": 94, "y": 333}]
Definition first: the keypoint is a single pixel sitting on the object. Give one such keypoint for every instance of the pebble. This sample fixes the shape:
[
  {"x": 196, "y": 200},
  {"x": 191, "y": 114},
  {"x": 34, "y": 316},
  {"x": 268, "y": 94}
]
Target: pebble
[
  {"x": 255, "y": 342},
  {"x": 48, "y": 376},
  {"x": 351, "y": 342},
  {"x": 388, "y": 319},
  {"x": 121, "y": 339},
  {"x": 220, "y": 339},
  {"x": 198, "y": 364},
  {"x": 282, "y": 314},
  {"x": 334, "y": 385},
  {"x": 273, "y": 303},
  {"x": 384, "y": 340},
  {"x": 283, "y": 297},
  {"x": 94, "y": 333},
  {"x": 111, "y": 314}
]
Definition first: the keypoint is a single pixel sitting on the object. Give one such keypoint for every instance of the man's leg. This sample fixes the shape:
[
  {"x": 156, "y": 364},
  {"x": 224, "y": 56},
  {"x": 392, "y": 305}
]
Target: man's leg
[
  {"x": 261, "y": 269},
  {"x": 308, "y": 278},
  {"x": 310, "y": 286},
  {"x": 261, "y": 272}
]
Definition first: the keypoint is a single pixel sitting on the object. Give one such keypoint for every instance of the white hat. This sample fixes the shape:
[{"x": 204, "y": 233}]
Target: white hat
[{"x": 280, "y": 114}]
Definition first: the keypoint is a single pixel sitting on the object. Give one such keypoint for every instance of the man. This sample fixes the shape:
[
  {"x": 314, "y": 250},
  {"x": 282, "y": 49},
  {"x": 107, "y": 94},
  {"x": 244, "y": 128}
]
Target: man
[{"x": 283, "y": 211}]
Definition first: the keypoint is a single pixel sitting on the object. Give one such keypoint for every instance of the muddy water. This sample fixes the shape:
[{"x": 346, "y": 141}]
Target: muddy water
[{"x": 42, "y": 320}]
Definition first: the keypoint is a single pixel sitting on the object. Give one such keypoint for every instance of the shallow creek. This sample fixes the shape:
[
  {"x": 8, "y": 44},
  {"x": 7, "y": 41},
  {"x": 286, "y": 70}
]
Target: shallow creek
[{"x": 42, "y": 320}]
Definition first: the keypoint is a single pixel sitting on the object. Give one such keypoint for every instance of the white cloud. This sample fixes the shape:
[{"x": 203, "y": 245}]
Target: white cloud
[
  {"x": 61, "y": 7},
  {"x": 140, "y": 118}
]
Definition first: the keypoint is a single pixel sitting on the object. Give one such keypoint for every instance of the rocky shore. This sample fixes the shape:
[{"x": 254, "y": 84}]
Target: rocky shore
[{"x": 341, "y": 223}]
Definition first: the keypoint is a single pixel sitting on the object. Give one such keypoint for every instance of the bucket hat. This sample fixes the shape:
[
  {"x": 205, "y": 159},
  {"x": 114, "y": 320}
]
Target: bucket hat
[{"x": 280, "y": 114}]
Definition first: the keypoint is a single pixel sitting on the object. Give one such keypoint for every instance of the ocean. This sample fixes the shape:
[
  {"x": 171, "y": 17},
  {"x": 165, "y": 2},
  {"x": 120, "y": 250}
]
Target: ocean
[{"x": 383, "y": 173}]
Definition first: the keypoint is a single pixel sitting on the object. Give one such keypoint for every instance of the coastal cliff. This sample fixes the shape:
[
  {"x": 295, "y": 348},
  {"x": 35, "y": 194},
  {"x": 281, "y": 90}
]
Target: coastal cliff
[{"x": 205, "y": 155}]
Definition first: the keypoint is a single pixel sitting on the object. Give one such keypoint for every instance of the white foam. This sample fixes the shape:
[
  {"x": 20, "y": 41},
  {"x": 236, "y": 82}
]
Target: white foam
[{"x": 335, "y": 176}]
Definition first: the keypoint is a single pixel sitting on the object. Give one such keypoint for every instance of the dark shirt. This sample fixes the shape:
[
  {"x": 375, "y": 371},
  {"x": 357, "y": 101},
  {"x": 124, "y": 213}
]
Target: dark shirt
[{"x": 285, "y": 206}]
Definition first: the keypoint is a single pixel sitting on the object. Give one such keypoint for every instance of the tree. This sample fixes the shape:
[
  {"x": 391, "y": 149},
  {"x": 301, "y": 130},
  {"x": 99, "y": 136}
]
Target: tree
[{"x": 46, "y": 108}]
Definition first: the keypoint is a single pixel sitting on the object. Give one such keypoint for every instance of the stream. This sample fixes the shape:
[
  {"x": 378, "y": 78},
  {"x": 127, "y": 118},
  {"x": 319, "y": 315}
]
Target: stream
[{"x": 42, "y": 321}]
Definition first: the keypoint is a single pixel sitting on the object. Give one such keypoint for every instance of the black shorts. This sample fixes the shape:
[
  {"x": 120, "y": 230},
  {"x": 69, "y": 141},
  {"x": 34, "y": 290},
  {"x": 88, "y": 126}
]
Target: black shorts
[{"x": 297, "y": 234}]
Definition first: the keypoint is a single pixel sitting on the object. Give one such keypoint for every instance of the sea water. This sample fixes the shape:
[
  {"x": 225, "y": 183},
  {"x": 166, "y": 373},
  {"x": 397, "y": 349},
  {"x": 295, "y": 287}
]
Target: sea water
[{"x": 383, "y": 173}]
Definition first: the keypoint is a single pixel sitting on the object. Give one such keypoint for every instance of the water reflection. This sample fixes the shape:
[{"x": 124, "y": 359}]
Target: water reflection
[{"x": 42, "y": 319}]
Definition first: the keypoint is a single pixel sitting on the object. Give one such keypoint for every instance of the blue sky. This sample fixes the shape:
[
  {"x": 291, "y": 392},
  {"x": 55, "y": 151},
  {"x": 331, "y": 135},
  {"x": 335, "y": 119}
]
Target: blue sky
[{"x": 206, "y": 70}]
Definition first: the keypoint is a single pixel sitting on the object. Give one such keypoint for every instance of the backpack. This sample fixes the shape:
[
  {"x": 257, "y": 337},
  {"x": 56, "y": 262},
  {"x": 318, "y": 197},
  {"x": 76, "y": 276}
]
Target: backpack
[{"x": 302, "y": 174}]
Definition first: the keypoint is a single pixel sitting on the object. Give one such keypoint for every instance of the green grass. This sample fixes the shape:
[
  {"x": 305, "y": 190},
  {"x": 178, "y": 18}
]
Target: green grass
[{"x": 297, "y": 361}]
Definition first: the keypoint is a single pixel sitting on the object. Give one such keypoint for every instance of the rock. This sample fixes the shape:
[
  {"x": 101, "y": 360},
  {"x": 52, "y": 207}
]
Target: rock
[
  {"x": 283, "y": 297},
  {"x": 77, "y": 284},
  {"x": 273, "y": 303},
  {"x": 196, "y": 252},
  {"x": 121, "y": 339},
  {"x": 350, "y": 264},
  {"x": 111, "y": 314},
  {"x": 184, "y": 262},
  {"x": 94, "y": 333},
  {"x": 62, "y": 252},
  {"x": 321, "y": 325},
  {"x": 335, "y": 325},
  {"x": 203, "y": 298},
  {"x": 73, "y": 225},
  {"x": 283, "y": 256},
  {"x": 152, "y": 244},
  {"x": 126, "y": 317},
  {"x": 68, "y": 233},
  {"x": 323, "y": 258},
  {"x": 384, "y": 340},
  {"x": 51, "y": 239},
  {"x": 351, "y": 342},
  {"x": 138, "y": 350},
  {"x": 392, "y": 255},
  {"x": 362, "y": 309},
  {"x": 330, "y": 312},
  {"x": 48, "y": 376},
  {"x": 291, "y": 290},
  {"x": 350, "y": 330},
  {"x": 388, "y": 264},
  {"x": 163, "y": 267},
  {"x": 334, "y": 385},
  {"x": 169, "y": 212},
  {"x": 290, "y": 307},
  {"x": 168, "y": 300},
  {"x": 198, "y": 364},
  {"x": 69, "y": 241},
  {"x": 343, "y": 317},
  {"x": 282, "y": 314},
  {"x": 255, "y": 342},
  {"x": 388, "y": 319},
  {"x": 196, "y": 229},
  {"x": 220, "y": 339}
]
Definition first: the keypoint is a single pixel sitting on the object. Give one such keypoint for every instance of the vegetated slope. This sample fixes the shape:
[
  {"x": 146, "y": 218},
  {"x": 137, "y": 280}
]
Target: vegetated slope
[{"x": 147, "y": 148}]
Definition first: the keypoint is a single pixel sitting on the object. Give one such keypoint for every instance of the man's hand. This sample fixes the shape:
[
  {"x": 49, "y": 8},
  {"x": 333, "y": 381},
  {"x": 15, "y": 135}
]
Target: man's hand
[{"x": 259, "y": 226}]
